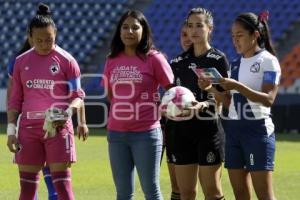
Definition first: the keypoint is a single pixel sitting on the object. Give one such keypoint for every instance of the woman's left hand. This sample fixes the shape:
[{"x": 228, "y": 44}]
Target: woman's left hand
[
  {"x": 82, "y": 131},
  {"x": 229, "y": 83}
]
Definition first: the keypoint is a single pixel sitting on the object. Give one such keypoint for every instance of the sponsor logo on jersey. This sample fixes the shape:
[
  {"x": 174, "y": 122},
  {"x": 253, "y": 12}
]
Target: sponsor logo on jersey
[
  {"x": 255, "y": 67},
  {"x": 40, "y": 84},
  {"x": 176, "y": 60},
  {"x": 192, "y": 66},
  {"x": 54, "y": 68},
  {"x": 213, "y": 55}
]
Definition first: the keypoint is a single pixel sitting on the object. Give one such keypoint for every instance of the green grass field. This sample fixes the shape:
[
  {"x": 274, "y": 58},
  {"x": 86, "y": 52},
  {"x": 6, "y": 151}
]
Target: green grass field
[{"x": 92, "y": 179}]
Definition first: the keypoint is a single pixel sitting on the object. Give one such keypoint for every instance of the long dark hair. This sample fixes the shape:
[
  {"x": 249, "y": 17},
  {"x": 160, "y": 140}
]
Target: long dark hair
[
  {"x": 146, "y": 42},
  {"x": 42, "y": 19},
  {"x": 251, "y": 22}
]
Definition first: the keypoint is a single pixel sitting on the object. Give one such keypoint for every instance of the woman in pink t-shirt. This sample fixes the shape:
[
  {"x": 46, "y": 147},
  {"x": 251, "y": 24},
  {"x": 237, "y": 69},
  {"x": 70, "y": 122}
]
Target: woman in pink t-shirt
[{"x": 134, "y": 70}]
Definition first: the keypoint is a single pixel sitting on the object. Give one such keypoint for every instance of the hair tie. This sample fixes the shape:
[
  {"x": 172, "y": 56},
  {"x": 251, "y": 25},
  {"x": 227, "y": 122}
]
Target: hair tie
[{"x": 263, "y": 16}]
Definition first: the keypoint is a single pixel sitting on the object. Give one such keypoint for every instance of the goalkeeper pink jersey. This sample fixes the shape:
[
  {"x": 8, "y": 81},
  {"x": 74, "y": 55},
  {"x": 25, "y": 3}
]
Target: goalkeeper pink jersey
[
  {"x": 134, "y": 83},
  {"x": 42, "y": 81}
]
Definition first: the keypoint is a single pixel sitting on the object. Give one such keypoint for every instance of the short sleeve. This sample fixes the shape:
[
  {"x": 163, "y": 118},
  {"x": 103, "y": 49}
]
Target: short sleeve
[
  {"x": 73, "y": 78},
  {"x": 162, "y": 70},
  {"x": 106, "y": 75},
  {"x": 272, "y": 71},
  {"x": 17, "y": 94}
]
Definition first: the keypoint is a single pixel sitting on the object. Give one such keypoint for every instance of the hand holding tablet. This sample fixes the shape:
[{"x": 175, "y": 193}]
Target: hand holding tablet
[{"x": 211, "y": 74}]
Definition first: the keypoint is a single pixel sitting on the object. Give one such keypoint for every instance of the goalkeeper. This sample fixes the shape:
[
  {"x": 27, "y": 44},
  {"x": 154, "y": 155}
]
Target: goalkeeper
[{"x": 45, "y": 77}]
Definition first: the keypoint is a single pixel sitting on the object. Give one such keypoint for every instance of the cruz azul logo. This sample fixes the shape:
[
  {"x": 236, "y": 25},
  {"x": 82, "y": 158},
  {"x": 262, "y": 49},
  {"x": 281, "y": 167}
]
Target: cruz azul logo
[{"x": 54, "y": 68}]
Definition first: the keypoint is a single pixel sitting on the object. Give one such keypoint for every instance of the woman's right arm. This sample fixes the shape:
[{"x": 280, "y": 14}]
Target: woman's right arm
[
  {"x": 105, "y": 81},
  {"x": 14, "y": 104}
]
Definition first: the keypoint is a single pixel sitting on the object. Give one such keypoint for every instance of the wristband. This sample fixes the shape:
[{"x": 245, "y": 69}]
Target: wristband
[{"x": 11, "y": 129}]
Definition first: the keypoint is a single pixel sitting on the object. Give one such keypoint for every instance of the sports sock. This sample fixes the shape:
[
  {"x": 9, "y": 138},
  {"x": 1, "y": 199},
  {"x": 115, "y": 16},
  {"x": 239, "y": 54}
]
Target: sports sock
[
  {"x": 62, "y": 184},
  {"x": 29, "y": 184}
]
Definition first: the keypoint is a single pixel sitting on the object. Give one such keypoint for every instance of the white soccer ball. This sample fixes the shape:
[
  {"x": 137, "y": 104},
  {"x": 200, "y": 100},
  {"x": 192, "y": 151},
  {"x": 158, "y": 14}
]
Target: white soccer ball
[{"x": 174, "y": 102}]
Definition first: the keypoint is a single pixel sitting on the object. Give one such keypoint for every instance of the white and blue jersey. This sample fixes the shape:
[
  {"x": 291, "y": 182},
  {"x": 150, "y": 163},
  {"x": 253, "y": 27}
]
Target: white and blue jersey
[
  {"x": 253, "y": 72},
  {"x": 250, "y": 139}
]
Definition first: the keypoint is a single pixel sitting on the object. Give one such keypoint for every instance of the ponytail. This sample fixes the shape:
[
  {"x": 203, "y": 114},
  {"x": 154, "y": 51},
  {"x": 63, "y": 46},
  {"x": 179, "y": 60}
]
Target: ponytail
[
  {"x": 252, "y": 22},
  {"x": 42, "y": 18},
  {"x": 265, "y": 33}
]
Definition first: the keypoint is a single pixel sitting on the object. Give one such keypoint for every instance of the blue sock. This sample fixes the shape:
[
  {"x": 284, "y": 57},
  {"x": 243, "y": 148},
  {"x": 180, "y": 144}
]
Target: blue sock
[{"x": 52, "y": 195}]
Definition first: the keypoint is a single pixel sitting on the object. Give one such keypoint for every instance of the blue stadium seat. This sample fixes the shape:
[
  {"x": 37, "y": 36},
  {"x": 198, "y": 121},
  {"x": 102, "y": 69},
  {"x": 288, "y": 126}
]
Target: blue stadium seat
[
  {"x": 82, "y": 24},
  {"x": 164, "y": 15}
]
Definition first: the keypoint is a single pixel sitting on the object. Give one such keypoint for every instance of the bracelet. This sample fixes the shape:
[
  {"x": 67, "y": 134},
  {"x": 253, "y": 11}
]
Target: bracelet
[{"x": 11, "y": 129}]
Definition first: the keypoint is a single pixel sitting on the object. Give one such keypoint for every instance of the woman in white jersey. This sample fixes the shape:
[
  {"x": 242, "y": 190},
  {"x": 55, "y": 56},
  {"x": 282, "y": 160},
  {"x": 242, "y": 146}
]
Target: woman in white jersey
[{"x": 253, "y": 85}]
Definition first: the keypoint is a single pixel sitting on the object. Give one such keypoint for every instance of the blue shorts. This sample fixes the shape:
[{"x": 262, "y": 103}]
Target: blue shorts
[{"x": 248, "y": 145}]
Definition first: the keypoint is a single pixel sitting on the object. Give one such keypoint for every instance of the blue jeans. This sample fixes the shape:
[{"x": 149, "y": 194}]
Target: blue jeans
[{"x": 142, "y": 150}]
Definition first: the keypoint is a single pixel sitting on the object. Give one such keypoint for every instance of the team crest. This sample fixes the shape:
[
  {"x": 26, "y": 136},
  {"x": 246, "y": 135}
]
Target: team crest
[
  {"x": 178, "y": 82},
  {"x": 173, "y": 158},
  {"x": 29, "y": 83},
  {"x": 255, "y": 67},
  {"x": 54, "y": 68},
  {"x": 210, "y": 158}
]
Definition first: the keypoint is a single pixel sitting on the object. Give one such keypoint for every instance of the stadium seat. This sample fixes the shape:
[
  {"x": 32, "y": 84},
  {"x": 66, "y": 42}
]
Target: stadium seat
[
  {"x": 224, "y": 14},
  {"x": 291, "y": 70},
  {"x": 82, "y": 24}
]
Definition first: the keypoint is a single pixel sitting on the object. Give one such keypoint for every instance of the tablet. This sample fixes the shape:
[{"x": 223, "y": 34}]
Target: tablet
[{"x": 209, "y": 73}]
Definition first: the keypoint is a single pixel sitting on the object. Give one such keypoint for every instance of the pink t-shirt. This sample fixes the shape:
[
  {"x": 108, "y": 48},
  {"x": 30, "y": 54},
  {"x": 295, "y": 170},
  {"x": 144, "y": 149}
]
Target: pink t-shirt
[
  {"x": 134, "y": 83},
  {"x": 42, "y": 81}
]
